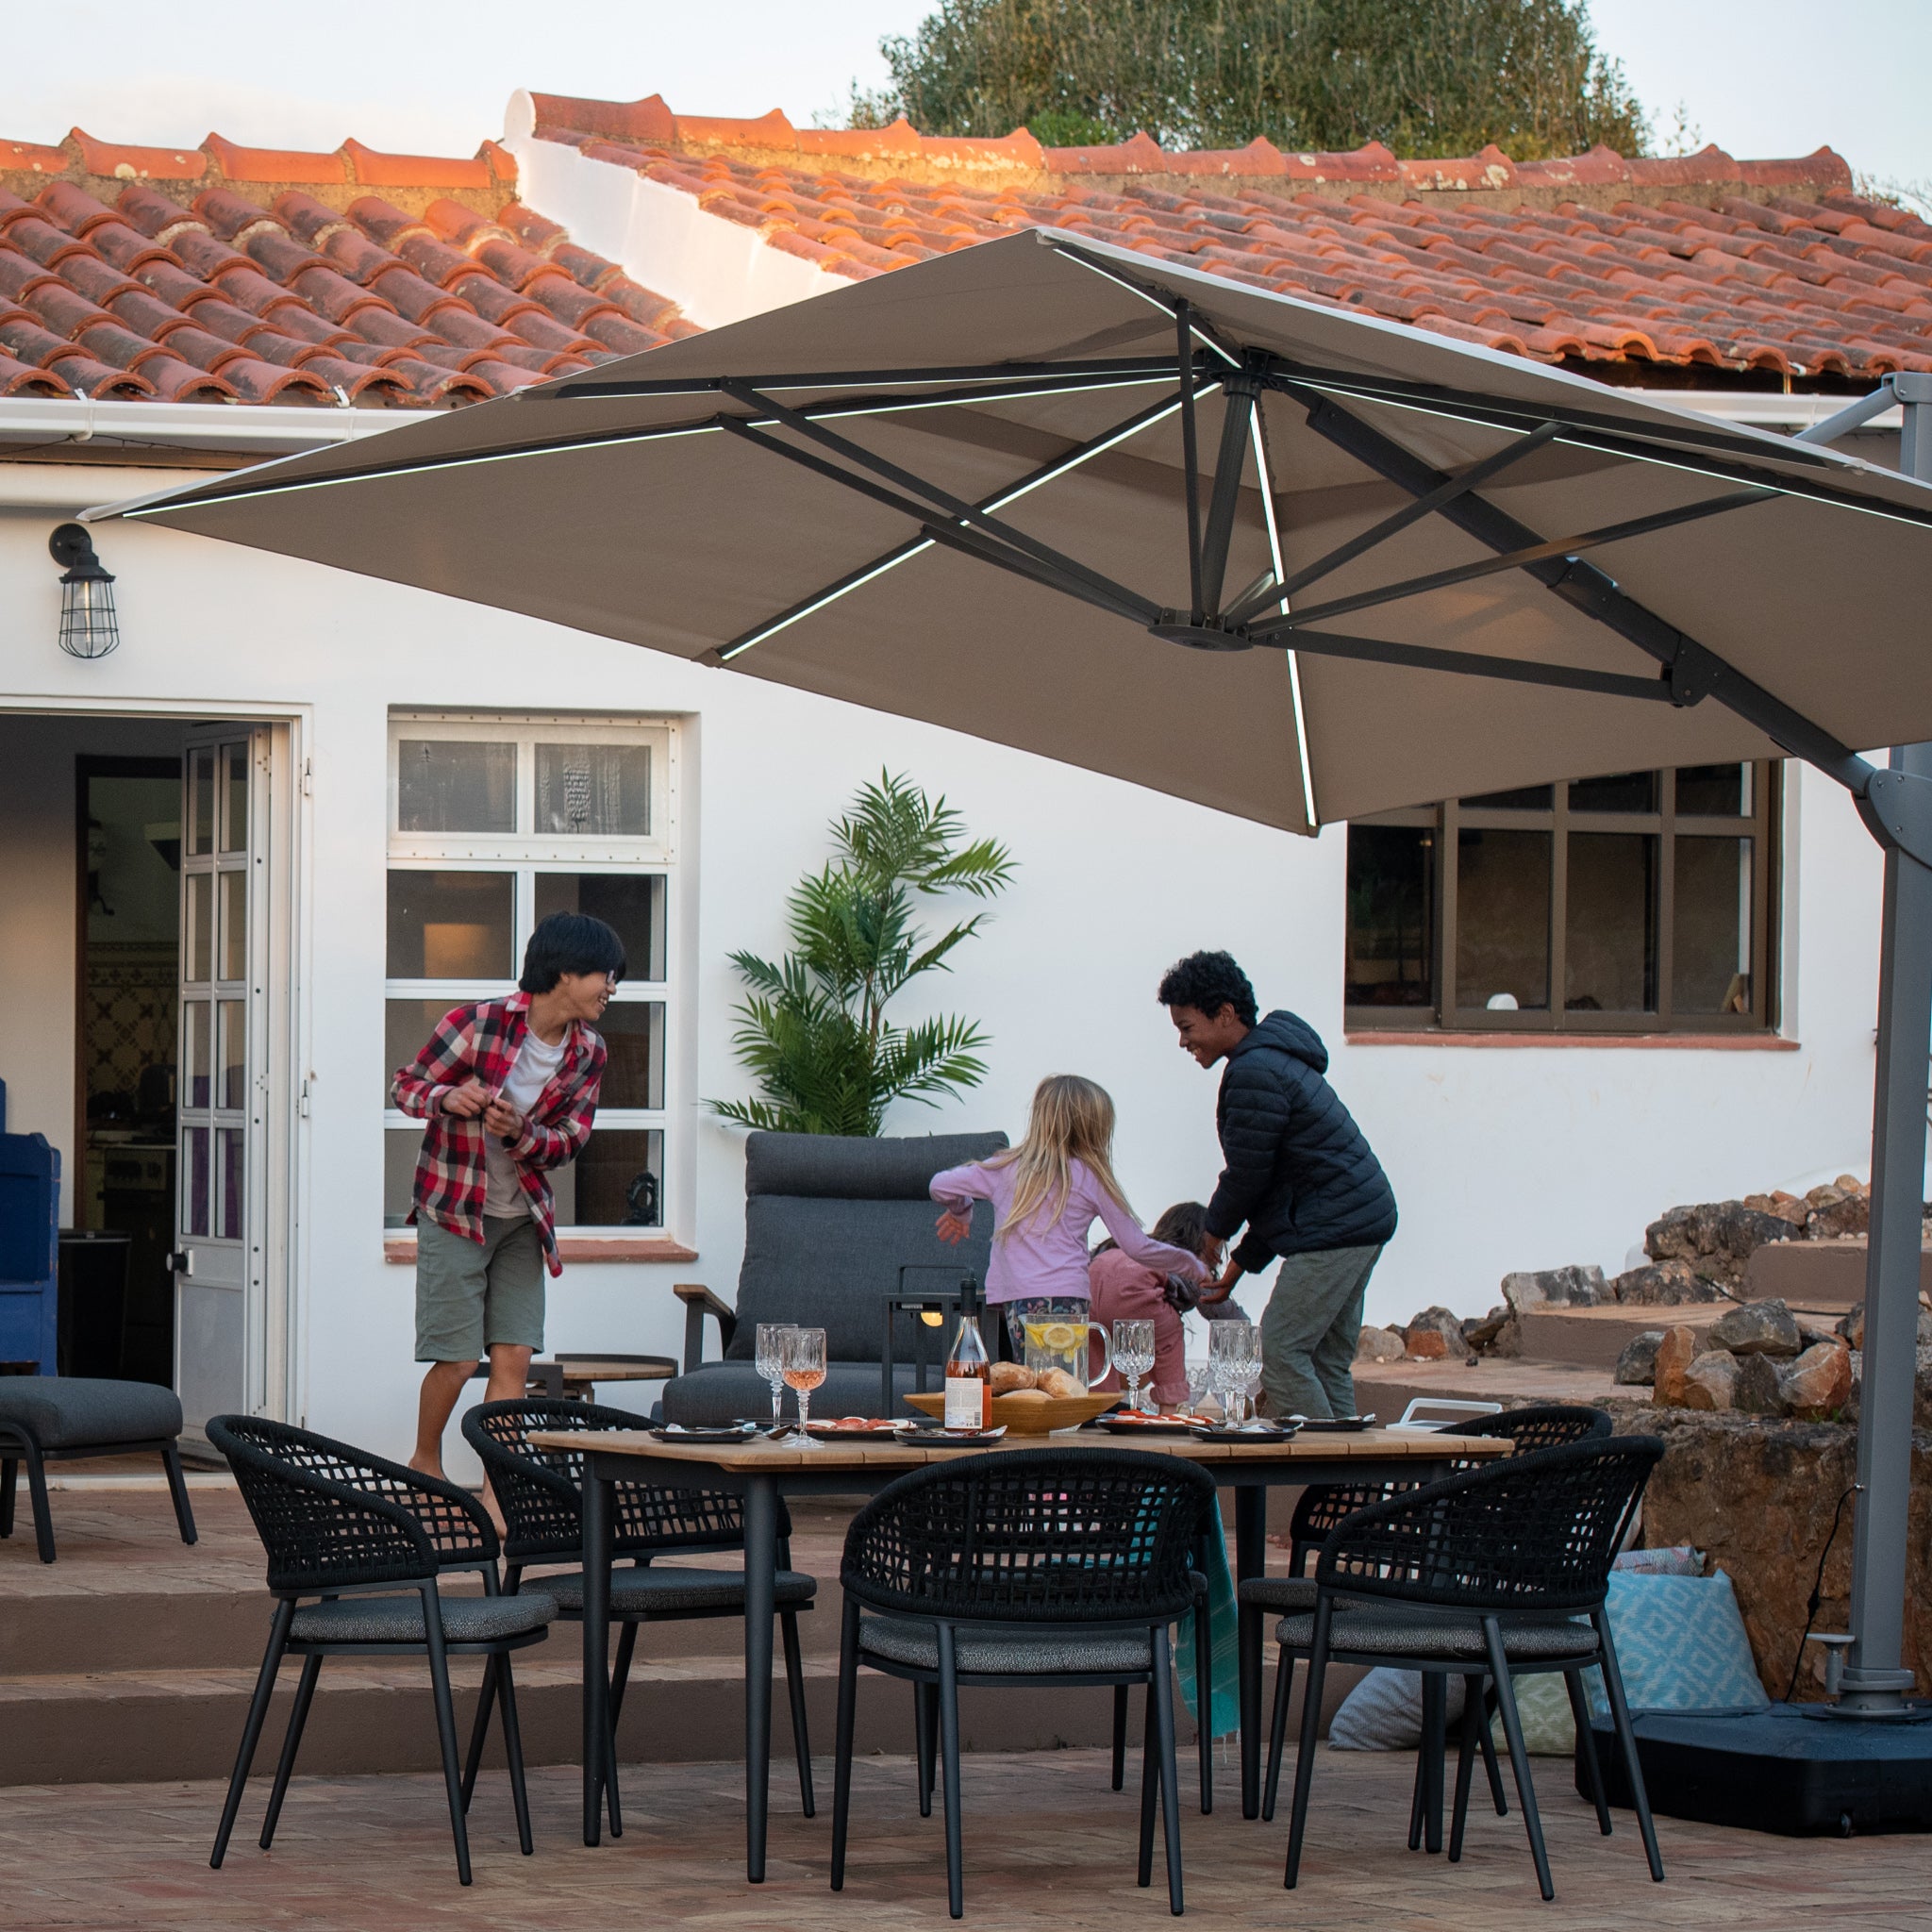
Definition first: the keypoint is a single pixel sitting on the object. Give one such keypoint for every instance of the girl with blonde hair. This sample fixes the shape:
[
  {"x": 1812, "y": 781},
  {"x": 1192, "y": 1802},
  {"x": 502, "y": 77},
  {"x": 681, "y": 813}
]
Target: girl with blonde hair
[{"x": 1046, "y": 1194}]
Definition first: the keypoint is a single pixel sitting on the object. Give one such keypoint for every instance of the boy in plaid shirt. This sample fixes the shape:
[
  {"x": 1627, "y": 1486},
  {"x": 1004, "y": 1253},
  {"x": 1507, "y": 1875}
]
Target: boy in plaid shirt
[{"x": 508, "y": 1089}]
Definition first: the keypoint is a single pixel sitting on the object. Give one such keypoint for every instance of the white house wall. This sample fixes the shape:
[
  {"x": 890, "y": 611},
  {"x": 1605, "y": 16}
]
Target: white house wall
[{"x": 1500, "y": 1157}]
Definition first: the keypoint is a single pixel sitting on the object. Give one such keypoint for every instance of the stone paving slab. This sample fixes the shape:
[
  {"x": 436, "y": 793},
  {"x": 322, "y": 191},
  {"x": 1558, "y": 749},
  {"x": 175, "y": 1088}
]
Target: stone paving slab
[{"x": 1049, "y": 1848}]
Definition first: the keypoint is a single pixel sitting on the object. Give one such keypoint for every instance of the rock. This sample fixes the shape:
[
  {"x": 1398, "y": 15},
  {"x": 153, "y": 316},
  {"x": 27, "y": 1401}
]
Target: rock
[
  {"x": 1711, "y": 1380},
  {"x": 1853, "y": 1326},
  {"x": 1758, "y": 1389},
  {"x": 1562, "y": 1288},
  {"x": 1838, "y": 1211},
  {"x": 1662, "y": 1285},
  {"x": 1435, "y": 1335},
  {"x": 1717, "y": 1238},
  {"x": 1766, "y": 1327},
  {"x": 1378, "y": 1344},
  {"x": 1637, "y": 1365},
  {"x": 1809, "y": 1337},
  {"x": 1674, "y": 1355},
  {"x": 1817, "y": 1384},
  {"x": 1495, "y": 1328}
]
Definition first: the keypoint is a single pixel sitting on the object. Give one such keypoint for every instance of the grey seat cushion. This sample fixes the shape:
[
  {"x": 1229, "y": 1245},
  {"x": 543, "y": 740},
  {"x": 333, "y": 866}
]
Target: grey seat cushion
[
  {"x": 1390, "y": 1632},
  {"x": 80, "y": 1411},
  {"x": 1047, "y": 1651},
  {"x": 1284, "y": 1596},
  {"x": 670, "y": 1587},
  {"x": 399, "y": 1619},
  {"x": 829, "y": 1221},
  {"x": 724, "y": 1392}
]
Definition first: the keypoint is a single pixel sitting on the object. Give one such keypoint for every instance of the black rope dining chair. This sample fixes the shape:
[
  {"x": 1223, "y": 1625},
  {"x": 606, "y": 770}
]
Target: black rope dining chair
[
  {"x": 1494, "y": 1575},
  {"x": 541, "y": 1492},
  {"x": 357, "y": 1546},
  {"x": 1020, "y": 1569}
]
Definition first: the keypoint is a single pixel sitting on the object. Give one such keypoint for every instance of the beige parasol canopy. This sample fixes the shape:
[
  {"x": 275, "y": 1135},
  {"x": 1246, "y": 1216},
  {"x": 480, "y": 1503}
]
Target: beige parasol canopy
[{"x": 958, "y": 492}]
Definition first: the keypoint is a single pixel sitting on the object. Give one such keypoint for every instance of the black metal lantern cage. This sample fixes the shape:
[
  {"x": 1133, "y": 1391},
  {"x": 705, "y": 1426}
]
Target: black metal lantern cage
[{"x": 89, "y": 627}]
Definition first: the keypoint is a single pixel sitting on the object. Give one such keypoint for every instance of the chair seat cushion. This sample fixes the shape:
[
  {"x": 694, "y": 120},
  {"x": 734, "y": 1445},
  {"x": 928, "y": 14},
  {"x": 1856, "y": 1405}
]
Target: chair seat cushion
[
  {"x": 670, "y": 1587},
  {"x": 399, "y": 1619},
  {"x": 86, "y": 1412},
  {"x": 1424, "y": 1638},
  {"x": 1046, "y": 1652},
  {"x": 1284, "y": 1596}
]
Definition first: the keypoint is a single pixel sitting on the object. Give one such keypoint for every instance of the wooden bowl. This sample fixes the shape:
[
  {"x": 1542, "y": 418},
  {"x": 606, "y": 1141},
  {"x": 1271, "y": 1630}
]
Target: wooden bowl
[{"x": 1025, "y": 1415}]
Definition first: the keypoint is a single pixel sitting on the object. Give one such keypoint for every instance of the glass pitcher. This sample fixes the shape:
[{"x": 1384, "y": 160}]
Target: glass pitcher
[{"x": 1054, "y": 1339}]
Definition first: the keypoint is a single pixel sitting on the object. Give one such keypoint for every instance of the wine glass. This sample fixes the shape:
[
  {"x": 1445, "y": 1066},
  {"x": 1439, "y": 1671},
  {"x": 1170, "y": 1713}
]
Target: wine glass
[
  {"x": 1200, "y": 1373},
  {"x": 1250, "y": 1359},
  {"x": 771, "y": 1365},
  {"x": 805, "y": 1369},
  {"x": 1133, "y": 1356},
  {"x": 1227, "y": 1348}
]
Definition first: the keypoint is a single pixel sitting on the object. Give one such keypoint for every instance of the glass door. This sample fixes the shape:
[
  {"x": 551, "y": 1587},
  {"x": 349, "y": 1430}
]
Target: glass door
[{"x": 223, "y": 1092}]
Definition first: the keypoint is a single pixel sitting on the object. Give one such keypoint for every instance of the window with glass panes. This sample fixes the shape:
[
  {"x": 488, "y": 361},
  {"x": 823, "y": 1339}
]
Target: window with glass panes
[
  {"x": 494, "y": 823},
  {"x": 1640, "y": 902}
]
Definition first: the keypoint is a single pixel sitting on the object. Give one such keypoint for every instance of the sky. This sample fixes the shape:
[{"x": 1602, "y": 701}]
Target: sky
[{"x": 429, "y": 76}]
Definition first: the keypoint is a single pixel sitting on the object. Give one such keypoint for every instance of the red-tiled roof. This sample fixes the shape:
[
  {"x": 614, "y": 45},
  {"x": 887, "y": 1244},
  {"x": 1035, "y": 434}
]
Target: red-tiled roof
[
  {"x": 1701, "y": 260},
  {"x": 225, "y": 274}
]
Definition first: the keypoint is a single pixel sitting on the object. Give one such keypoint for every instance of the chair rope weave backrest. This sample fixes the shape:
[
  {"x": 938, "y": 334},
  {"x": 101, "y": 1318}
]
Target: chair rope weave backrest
[
  {"x": 1033, "y": 1536},
  {"x": 1323, "y": 1506},
  {"x": 1539, "y": 1425},
  {"x": 541, "y": 1489},
  {"x": 333, "y": 1516},
  {"x": 1536, "y": 1533}
]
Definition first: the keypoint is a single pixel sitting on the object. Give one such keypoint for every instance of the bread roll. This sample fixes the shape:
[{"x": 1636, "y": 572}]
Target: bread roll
[
  {"x": 1024, "y": 1395},
  {"x": 1007, "y": 1378},
  {"x": 1057, "y": 1382}
]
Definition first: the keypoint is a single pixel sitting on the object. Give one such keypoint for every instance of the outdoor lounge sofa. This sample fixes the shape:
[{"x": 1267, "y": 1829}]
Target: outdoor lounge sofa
[{"x": 832, "y": 1227}]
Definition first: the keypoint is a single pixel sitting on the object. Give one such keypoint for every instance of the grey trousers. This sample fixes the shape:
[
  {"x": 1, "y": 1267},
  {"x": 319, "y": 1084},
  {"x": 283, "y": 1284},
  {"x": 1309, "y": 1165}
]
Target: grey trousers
[{"x": 1310, "y": 1330}]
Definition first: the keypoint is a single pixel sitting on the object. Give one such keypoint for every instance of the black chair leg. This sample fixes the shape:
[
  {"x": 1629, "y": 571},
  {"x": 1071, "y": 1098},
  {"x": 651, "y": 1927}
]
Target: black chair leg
[
  {"x": 37, "y": 1495},
  {"x": 304, "y": 1695},
  {"x": 1586, "y": 1749},
  {"x": 1150, "y": 1777},
  {"x": 178, "y": 1489},
  {"x": 10, "y": 1479},
  {"x": 1278, "y": 1733},
  {"x": 1434, "y": 1746},
  {"x": 251, "y": 1730},
  {"x": 1627, "y": 1738},
  {"x": 479, "y": 1730},
  {"x": 1305, "y": 1750},
  {"x": 1204, "y": 1705},
  {"x": 1519, "y": 1757},
  {"x": 1475, "y": 1716},
  {"x": 949, "y": 1770},
  {"x": 513, "y": 1750},
  {"x": 795, "y": 1685},
  {"x": 446, "y": 1725},
  {"x": 1161, "y": 1691},
  {"x": 620, "y": 1678},
  {"x": 841, "y": 1744},
  {"x": 1120, "y": 1736},
  {"x": 1488, "y": 1750},
  {"x": 925, "y": 1718}
]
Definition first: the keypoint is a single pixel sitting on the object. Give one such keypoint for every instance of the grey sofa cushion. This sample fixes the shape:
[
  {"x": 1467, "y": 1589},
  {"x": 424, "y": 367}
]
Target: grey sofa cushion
[
  {"x": 664, "y": 1587},
  {"x": 830, "y": 1221},
  {"x": 83, "y": 1411},
  {"x": 1013, "y": 1653},
  {"x": 399, "y": 1619},
  {"x": 729, "y": 1391}
]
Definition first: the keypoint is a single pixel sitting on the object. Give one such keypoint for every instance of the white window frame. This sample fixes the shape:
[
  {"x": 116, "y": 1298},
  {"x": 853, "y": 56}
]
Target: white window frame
[{"x": 523, "y": 854}]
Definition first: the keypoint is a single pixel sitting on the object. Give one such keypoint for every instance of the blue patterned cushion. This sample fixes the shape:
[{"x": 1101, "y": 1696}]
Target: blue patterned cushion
[{"x": 1681, "y": 1644}]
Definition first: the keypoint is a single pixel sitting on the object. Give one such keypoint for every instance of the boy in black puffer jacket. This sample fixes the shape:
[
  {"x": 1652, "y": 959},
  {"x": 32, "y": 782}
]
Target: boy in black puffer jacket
[{"x": 1299, "y": 1174}]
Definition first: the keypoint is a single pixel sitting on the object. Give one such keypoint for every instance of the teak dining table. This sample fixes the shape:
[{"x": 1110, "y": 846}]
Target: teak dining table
[{"x": 764, "y": 1469}]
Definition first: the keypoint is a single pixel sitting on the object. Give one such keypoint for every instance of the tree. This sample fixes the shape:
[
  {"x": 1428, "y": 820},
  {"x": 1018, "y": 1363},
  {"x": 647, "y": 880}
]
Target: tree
[
  {"x": 813, "y": 1029},
  {"x": 1430, "y": 77}
]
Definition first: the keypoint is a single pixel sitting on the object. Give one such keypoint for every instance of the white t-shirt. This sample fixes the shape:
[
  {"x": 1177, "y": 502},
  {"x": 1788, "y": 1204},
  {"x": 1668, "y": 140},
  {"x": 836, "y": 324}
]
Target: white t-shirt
[{"x": 503, "y": 1195}]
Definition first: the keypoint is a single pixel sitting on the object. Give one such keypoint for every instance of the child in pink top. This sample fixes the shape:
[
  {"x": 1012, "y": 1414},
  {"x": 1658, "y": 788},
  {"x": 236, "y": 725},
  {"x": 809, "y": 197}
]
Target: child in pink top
[{"x": 1125, "y": 1290}]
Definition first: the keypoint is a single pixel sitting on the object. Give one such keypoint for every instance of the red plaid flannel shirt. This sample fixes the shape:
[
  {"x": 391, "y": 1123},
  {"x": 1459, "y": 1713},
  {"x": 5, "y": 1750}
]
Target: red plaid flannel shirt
[{"x": 483, "y": 1040}]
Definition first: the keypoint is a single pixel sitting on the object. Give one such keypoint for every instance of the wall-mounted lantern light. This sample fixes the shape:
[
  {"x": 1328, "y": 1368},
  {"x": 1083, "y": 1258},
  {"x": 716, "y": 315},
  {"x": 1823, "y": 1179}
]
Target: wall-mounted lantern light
[{"x": 89, "y": 627}]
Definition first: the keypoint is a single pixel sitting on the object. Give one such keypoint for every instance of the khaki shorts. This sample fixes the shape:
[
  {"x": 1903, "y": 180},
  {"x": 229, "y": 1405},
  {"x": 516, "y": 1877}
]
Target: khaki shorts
[{"x": 471, "y": 1295}]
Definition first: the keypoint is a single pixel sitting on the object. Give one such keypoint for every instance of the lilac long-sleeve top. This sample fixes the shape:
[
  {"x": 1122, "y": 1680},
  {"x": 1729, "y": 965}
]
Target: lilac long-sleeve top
[{"x": 1041, "y": 1260}]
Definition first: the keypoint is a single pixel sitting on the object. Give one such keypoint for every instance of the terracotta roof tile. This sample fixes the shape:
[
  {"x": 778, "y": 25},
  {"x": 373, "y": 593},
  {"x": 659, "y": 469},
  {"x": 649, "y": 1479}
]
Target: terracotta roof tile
[{"x": 230, "y": 273}]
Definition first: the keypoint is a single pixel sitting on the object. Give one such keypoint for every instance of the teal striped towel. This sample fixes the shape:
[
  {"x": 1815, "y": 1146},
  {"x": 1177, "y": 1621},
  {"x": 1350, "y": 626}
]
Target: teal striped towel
[{"x": 1224, "y": 1627}]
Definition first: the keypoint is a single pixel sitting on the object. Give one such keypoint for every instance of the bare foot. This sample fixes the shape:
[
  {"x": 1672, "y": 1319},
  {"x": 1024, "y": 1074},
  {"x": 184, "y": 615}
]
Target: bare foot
[
  {"x": 494, "y": 1511},
  {"x": 425, "y": 1467}
]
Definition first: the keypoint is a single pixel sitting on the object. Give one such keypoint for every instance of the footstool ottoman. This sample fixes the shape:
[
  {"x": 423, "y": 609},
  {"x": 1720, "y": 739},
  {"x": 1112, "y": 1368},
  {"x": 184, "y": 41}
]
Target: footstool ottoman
[{"x": 69, "y": 1418}]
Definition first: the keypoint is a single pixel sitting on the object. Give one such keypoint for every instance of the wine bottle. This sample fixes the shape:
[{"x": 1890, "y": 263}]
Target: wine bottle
[{"x": 968, "y": 1373}]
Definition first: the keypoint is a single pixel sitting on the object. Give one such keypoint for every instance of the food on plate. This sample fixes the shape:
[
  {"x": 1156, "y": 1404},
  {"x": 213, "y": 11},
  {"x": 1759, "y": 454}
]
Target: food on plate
[
  {"x": 853, "y": 1422},
  {"x": 1024, "y": 1395},
  {"x": 1057, "y": 1382},
  {"x": 1008, "y": 1379}
]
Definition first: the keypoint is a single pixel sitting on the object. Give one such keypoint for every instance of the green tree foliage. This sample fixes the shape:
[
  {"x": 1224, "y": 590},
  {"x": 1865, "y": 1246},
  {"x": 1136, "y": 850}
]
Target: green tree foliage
[
  {"x": 1426, "y": 77},
  {"x": 812, "y": 1028}
]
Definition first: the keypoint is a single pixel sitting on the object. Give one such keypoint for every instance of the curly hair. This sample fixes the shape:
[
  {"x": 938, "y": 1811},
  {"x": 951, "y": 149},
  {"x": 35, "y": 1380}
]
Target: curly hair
[{"x": 1208, "y": 982}]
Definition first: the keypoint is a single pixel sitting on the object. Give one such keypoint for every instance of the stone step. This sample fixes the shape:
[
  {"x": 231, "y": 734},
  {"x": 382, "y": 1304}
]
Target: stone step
[
  {"x": 1819, "y": 1274},
  {"x": 1594, "y": 1338},
  {"x": 1386, "y": 1389}
]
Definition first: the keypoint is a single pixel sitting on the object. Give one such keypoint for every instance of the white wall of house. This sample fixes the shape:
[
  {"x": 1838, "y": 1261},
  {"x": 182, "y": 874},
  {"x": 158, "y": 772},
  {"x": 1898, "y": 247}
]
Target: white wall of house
[{"x": 1501, "y": 1156}]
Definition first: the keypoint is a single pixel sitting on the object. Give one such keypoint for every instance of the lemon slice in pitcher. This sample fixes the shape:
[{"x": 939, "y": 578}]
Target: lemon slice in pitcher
[{"x": 1058, "y": 1335}]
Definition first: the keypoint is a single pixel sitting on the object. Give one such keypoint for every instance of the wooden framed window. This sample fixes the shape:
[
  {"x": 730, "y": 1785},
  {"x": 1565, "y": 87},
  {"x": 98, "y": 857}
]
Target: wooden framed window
[{"x": 1640, "y": 902}]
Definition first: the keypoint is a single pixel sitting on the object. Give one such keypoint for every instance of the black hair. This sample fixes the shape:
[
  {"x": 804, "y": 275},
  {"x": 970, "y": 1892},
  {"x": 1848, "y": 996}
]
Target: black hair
[
  {"x": 1183, "y": 1225},
  {"x": 1208, "y": 982},
  {"x": 570, "y": 942}
]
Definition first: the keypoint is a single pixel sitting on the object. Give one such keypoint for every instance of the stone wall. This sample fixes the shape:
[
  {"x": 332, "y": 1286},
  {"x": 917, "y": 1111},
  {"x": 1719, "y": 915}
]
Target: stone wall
[{"x": 1759, "y": 1496}]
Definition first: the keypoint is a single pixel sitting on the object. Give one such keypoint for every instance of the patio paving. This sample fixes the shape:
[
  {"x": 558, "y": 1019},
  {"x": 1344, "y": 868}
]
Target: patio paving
[{"x": 1048, "y": 1846}]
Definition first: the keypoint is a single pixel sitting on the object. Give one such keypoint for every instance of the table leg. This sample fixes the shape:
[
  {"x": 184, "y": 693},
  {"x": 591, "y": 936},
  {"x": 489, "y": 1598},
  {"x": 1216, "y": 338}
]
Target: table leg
[
  {"x": 1250, "y": 1559},
  {"x": 596, "y": 1646},
  {"x": 760, "y": 1581}
]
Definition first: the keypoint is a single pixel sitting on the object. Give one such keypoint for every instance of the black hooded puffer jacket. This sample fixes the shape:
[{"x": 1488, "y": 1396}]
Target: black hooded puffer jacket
[{"x": 1300, "y": 1172}]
